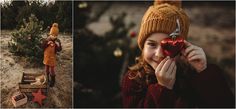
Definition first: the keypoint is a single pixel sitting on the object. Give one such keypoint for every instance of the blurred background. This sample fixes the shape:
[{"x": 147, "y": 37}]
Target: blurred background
[{"x": 104, "y": 44}]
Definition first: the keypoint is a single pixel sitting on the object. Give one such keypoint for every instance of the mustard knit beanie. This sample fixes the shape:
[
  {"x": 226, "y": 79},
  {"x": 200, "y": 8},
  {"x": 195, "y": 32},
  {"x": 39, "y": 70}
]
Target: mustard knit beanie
[
  {"x": 54, "y": 29},
  {"x": 162, "y": 17}
]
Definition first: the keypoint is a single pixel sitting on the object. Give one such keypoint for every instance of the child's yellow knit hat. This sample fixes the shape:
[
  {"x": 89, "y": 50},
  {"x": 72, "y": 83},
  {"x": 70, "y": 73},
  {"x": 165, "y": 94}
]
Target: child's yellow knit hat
[
  {"x": 162, "y": 17},
  {"x": 54, "y": 29}
]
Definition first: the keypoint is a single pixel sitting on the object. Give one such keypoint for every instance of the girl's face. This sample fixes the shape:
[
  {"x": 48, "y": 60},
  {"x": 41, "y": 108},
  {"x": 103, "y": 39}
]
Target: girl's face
[
  {"x": 152, "y": 51},
  {"x": 52, "y": 37}
]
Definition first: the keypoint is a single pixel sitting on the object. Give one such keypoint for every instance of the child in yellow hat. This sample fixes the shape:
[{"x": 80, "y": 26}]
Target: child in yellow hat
[
  {"x": 51, "y": 46},
  {"x": 172, "y": 72}
]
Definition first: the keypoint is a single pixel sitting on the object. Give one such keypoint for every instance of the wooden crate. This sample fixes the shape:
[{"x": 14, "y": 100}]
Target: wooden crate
[
  {"x": 26, "y": 86},
  {"x": 19, "y": 99}
]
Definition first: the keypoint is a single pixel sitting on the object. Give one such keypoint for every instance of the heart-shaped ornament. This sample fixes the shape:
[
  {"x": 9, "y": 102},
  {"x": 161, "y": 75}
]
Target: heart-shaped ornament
[{"x": 172, "y": 47}]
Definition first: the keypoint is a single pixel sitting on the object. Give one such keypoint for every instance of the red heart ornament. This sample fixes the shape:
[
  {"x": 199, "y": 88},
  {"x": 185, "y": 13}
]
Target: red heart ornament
[{"x": 172, "y": 47}]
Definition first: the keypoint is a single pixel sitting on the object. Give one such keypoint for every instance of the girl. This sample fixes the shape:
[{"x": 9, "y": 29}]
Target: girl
[
  {"x": 50, "y": 48},
  {"x": 182, "y": 80}
]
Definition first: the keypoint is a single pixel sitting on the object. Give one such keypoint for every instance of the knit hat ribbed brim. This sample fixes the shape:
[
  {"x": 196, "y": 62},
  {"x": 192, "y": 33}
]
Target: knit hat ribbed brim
[{"x": 162, "y": 18}]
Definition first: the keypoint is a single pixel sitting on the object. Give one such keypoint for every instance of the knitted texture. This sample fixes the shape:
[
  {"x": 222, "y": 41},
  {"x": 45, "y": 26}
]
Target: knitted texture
[
  {"x": 54, "y": 29},
  {"x": 161, "y": 17},
  {"x": 210, "y": 86},
  {"x": 176, "y": 3}
]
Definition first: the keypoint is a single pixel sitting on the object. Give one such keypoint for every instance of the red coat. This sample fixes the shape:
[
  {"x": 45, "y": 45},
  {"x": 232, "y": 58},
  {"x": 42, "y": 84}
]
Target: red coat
[{"x": 209, "y": 87}]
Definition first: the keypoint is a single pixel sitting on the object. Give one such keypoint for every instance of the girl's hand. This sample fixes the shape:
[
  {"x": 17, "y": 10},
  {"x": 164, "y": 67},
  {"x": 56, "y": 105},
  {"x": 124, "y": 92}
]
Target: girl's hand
[
  {"x": 166, "y": 72},
  {"x": 50, "y": 42},
  {"x": 195, "y": 56}
]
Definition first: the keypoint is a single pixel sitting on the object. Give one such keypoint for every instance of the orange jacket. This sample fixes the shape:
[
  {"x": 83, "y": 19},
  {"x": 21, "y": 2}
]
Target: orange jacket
[{"x": 50, "y": 52}]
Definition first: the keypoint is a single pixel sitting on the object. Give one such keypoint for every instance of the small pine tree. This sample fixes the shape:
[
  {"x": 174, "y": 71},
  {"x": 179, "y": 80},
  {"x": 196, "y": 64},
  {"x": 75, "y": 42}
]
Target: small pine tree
[{"x": 26, "y": 41}]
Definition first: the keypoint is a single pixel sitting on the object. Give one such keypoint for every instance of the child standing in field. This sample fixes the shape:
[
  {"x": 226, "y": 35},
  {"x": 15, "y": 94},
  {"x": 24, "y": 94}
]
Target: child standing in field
[
  {"x": 161, "y": 79},
  {"x": 51, "y": 46}
]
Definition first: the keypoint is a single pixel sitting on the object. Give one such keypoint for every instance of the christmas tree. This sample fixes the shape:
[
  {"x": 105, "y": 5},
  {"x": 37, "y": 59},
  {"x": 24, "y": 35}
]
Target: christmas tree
[{"x": 26, "y": 41}]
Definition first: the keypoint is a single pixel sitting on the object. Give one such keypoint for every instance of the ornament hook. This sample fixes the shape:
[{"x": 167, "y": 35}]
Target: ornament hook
[{"x": 177, "y": 30}]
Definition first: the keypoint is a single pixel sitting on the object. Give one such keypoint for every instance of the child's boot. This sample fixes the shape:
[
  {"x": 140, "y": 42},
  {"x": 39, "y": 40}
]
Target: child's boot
[
  {"x": 52, "y": 82},
  {"x": 47, "y": 77}
]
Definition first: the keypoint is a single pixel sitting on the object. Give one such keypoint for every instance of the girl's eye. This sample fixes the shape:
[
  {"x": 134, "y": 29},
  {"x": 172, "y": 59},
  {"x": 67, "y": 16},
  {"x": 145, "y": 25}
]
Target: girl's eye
[{"x": 153, "y": 45}]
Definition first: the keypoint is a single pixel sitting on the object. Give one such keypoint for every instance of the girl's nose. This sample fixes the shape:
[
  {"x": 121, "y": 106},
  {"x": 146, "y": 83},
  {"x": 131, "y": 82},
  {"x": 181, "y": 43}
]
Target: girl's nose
[{"x": 158, "y": 52}]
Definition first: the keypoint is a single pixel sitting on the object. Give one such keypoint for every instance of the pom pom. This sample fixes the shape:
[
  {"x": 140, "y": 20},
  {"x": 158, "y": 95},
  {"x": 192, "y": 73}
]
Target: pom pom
[{"x": 176, "y": 3}]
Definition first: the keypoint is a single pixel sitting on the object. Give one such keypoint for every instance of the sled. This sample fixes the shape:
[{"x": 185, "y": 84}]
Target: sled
[{"x": 32, "y": 82}]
